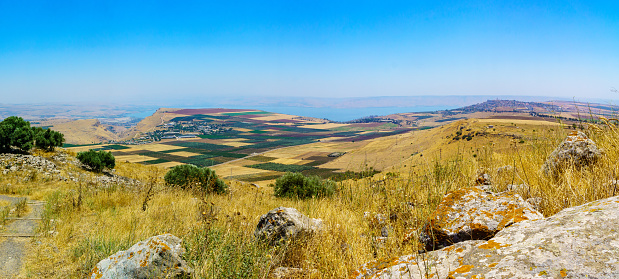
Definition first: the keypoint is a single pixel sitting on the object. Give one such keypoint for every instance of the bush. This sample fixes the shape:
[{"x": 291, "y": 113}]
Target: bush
[
  {"x": 47, "y": 139},
  {"x": 97, "y": 160},
  {"x": 15, "y": 132},
  {"x": 188, "y": 176},
  {"x": 298, "y": 185}
]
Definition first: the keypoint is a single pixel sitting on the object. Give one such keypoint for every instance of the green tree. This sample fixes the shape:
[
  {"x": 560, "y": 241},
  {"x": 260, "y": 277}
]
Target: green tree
[
  {"x": 15, "y": 133},
  {"x": 188, "y": 176},
  {"x": 97, "y": 160},
  {"x": 47, "y": 139},
  {"x": 297, "y": 185}
]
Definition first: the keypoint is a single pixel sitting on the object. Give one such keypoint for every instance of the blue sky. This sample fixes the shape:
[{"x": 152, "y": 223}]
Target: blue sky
[{"x": 161, "y": 50}]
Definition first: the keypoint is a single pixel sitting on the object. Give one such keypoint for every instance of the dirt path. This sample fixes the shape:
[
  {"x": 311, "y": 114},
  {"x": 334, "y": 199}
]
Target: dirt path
[{"x": 15, "y": 237}]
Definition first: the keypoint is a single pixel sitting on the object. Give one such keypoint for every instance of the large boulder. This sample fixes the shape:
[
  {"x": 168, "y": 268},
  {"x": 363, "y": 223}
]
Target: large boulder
[
  {"x": 577, "y": 148},
  {"x": 156, "y": 257},
  {"x": 473, "y": 214},
  {"x": 578, "y": 242},
  {"x": 283, "y": 223}
]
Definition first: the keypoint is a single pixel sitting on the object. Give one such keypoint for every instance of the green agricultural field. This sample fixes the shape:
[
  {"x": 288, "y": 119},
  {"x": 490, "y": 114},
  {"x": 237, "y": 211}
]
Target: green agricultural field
[
  {"x": 281, "y": 167},
  {"x": 242, "y": 134}
]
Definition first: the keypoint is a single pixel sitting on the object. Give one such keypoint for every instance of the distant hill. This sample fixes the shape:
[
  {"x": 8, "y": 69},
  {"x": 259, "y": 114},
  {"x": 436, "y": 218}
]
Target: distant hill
[
  {"x": 148, "y": 124},
  {"x": 86, "y": 131}
]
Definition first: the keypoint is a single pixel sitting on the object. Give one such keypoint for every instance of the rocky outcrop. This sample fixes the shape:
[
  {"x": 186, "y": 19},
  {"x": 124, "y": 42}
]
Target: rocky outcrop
[
  {"x": 577, "y": 148},
  {"x": 156, "y": 257},
  {"x": 19, "y": 162},
  {"x": 282, "y": 224},
  {"x": 578, "y": 242},
  {"x": 473, "y": 214},
  {"x": 109, "y": 179}
]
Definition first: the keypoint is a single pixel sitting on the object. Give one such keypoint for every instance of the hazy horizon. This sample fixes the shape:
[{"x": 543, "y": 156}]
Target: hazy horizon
[{"x": 148, "y": 50}]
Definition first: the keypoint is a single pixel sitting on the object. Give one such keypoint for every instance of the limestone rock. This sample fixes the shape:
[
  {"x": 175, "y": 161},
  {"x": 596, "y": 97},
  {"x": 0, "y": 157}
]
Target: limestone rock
[
  {"x": 578, "y": 242},
  {"x": 576, "y": 149},
  {"x": 483, "y": 179},
  {"x": 282, "y": 224},
  {"x": 471, "y": 213},
  {"x": 156, "y": 257},
  {"x": 292, "y": 273}
]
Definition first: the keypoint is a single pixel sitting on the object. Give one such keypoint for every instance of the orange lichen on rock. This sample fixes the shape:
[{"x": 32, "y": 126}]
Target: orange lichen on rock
[
  {"x": 491, "y": 244},
  {"x": 473, "y": 214}
]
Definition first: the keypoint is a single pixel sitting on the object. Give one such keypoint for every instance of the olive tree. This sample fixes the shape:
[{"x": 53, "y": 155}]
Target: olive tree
[{"x": 15, "y": 133}]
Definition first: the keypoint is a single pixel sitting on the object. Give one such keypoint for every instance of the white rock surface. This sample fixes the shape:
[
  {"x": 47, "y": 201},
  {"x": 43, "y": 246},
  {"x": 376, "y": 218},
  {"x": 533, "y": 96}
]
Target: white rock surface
[
  {"x": 284, "y": 223},
  {"x": 577, "y": 148},
  {"x": 474, "y": 214},
  {"x": 156, "y": 257},
  {"x": 578, "y": 242}
]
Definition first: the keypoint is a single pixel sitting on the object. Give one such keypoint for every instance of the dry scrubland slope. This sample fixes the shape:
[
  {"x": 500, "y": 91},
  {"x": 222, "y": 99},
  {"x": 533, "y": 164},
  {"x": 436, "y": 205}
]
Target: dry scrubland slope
[
  {"x": 86, "y": 131},
  {"x": 401, "y": 152},
  {"x": 217, "y": 230}
]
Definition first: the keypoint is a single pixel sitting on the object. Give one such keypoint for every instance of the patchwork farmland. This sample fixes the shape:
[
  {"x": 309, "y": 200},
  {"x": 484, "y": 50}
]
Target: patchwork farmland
[{"x": 248, "y": 145}]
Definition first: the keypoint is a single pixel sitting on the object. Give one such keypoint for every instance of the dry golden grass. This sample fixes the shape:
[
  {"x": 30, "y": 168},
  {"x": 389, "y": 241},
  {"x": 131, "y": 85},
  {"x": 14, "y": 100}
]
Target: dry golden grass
[
  {"x": 85, "y": 131},
  {"x": 220, "y": 242},
  {"x": 520, "y": 121}
]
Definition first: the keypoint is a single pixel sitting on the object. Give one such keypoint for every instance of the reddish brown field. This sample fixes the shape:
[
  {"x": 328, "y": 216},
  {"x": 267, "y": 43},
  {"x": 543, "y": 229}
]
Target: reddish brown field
[{"x": 209, "y": 111}]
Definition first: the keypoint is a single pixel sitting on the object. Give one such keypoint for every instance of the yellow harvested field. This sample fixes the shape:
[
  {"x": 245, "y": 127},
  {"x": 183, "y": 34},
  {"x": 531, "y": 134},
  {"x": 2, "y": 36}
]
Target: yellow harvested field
[
  {"x": 134, "y": 158},
  {"x": 330, "y": 139},
  {"x": 234, "y": 139},
  {"x": 242, "y": 129},
  {"x": 519, "y": 121},
  {"x": 184, "y": 154},
  {"x": 227, "y": 170},
  {"x": 284, "y": 153},
  {"x": 274, "y": 117},
  {"x": 324, "y": 126},
  {"x": 169, "y": 164},
  {"x": 279, "y": 123},
  {"x": 235, "y": 143},
  {"x": 158, "y": 147},
  {"x": 84, "y": 148},
  {"x": 287, "y": 161}
]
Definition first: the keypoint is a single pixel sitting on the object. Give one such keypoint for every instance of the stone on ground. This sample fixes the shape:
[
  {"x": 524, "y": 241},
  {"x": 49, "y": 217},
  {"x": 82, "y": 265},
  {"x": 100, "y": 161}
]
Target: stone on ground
[
  {"x": 578, "y": 242},
  {"x": 292, "y": 273},
  {"x": 282, "y": 224},
  {"x": 156, "y": 257},
  {"x": 473, "y": 214},
  {"x": 577, "y": 148}
]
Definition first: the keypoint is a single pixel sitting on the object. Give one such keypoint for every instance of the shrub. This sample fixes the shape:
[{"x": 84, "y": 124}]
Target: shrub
[
  {"x": 97, "y": 160},
  {"x": 298, "y": 185},
  {"x": 47, "y": 139},
  {"x": 15, "y": 132},
  {"x": 188, "y": 176}
]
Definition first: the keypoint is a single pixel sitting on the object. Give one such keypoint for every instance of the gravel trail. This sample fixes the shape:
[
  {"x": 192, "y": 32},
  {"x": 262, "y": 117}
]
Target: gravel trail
[{"x": 12, "y": 249}]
